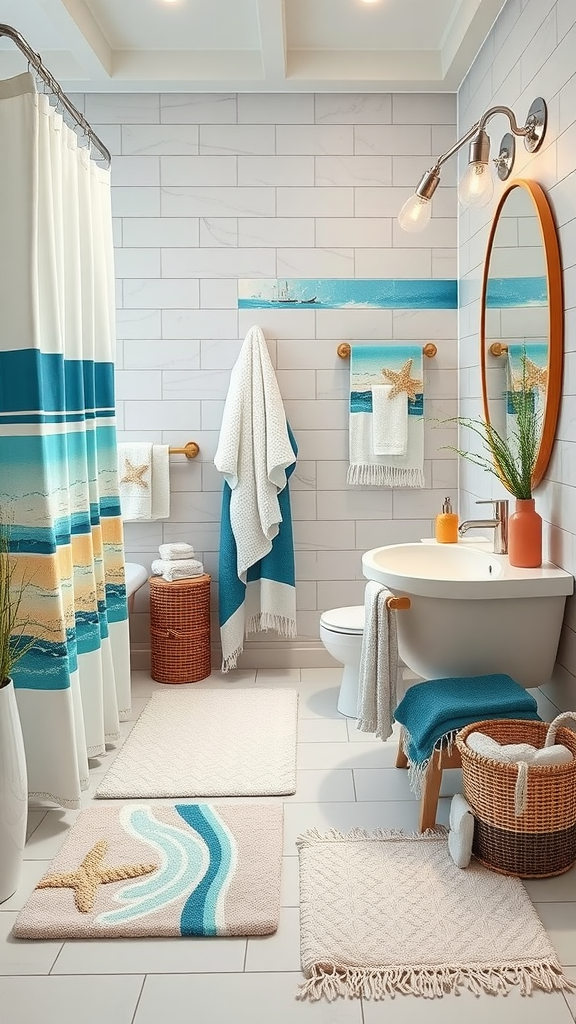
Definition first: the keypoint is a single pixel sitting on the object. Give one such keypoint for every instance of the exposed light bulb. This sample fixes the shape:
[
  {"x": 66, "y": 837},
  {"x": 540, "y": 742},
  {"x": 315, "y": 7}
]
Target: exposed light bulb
[
  {"x": 415, "y": 214},
  {"x": 476, "y": 187}
]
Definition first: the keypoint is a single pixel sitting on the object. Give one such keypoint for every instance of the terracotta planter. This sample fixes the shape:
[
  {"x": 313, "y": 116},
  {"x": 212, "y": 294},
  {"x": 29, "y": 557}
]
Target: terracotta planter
[
  {"x": 525, "y": 535},
  {"x": 13, "y": 793}
]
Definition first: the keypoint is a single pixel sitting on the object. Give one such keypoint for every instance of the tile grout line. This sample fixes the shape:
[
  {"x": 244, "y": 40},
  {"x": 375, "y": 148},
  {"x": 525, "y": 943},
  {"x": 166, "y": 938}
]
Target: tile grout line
[
  {"x": 139, "y": 998},
  {"x": 56, "y": 958}
]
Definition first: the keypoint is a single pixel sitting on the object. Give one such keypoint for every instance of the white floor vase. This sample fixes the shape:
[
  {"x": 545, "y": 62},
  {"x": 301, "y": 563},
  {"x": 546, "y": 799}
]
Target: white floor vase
[{"x": 13, "y": 793}]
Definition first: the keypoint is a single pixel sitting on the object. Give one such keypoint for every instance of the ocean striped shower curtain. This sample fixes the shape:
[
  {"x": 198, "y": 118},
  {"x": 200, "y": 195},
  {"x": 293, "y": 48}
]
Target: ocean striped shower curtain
[{"x": 58, "y": 477}]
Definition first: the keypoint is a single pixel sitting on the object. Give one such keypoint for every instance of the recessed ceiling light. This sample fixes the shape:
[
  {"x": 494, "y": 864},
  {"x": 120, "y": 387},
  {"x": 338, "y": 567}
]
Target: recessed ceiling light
[{"x": 363, "y": 1}]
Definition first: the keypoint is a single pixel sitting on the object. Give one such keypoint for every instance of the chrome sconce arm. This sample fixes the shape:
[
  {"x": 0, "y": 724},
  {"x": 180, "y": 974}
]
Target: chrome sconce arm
[{"x": 476, "y": 186}]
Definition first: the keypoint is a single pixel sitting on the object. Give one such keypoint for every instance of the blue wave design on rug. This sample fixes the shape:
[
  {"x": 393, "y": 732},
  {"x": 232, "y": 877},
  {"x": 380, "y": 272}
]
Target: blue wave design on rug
[
  {"x": 164, "y": 870},
  {"x": 199, "y": 914}
]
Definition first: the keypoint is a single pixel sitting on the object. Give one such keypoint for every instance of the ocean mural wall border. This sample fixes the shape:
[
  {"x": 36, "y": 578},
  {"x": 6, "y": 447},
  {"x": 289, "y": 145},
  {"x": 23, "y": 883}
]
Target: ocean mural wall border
[
  {"x": 347, "y": 293},
  {"x": 510, "y": 292}
]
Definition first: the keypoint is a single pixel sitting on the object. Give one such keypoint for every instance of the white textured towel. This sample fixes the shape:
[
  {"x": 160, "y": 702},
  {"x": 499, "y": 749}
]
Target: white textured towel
[
  {"x": 144, "y": 481},
  {"x": 176, "y": 551},
  {"x": 181, "y": 569},
  {"x": 160, "y": 481},
  {"x": 254, "y": 451},
  {"x": 378, "y": 664},
  {"x": 389, "y": 421}
]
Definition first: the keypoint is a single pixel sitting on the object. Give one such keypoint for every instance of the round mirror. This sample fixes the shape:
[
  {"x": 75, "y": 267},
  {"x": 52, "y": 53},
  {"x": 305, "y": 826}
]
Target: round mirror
[{"x": 522, "y": 316}]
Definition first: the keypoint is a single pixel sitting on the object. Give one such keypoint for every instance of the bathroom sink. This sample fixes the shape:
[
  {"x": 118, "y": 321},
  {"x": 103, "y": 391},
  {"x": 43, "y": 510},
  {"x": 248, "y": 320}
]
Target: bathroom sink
[
  {"x": 470, "y": 612},
  {"x": 460, "y": 571}
]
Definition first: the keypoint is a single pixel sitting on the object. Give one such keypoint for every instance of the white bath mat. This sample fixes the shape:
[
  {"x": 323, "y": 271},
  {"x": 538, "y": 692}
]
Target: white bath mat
[{"x": 209, "y": 742}]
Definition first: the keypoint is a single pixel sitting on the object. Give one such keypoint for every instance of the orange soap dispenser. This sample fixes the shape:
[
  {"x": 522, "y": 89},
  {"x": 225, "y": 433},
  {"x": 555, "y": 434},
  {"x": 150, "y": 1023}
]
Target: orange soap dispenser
[{"x": 446, "y": 527}]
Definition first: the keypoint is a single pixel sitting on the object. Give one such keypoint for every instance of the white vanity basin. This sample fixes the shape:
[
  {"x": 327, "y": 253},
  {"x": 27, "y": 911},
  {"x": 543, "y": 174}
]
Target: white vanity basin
[{"x": 471, "y": 612}]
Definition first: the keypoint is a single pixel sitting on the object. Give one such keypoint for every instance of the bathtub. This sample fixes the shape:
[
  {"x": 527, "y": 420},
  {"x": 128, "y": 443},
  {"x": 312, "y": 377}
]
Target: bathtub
[{"x": 136, "y": 576}]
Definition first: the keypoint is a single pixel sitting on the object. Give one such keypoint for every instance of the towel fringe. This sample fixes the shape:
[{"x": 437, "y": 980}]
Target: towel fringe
[
  {"x": 417, "y": 769},
  {"x": 432, "y": 982},
  {"x": 263, "y": 621},
  {"x": 364, "y": 474},
  {"x": 229, "y": 662}
]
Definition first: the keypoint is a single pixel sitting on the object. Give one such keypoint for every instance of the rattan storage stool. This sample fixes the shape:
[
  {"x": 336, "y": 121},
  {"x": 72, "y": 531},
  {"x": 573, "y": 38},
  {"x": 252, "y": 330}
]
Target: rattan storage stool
[{"x": 180, "y": 629}]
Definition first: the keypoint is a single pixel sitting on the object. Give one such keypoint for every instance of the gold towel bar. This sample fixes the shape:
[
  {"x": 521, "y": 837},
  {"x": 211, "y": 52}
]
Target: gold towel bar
[
  {"x": 498, "y": 349},
  {"x": 343, "y": 349},
  {"x": 190, "y": 450},
  {"x": 398, "y": 603}
]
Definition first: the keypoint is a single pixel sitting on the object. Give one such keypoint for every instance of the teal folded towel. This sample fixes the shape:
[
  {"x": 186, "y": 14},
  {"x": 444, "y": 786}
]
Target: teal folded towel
[{"x": 433, "y": 710}]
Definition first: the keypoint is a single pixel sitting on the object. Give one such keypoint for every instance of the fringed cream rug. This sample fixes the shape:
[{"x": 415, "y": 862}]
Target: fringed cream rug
[
  {"x": 162, "y": 870},
  {"x": 384, "y": 913},
  {"x": 209, "y": 742}
]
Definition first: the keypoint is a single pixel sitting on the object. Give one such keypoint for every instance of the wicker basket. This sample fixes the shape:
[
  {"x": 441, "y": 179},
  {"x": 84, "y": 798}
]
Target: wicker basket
[
  {"x": 540, "y": 841},
  {"x": 180, "y": 629}
]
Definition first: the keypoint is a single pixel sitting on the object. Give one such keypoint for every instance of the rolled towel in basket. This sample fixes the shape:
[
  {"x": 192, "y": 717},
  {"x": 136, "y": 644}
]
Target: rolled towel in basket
[
  {"x": 514, "y": 752},
  {"x": 176, "y": 552},
  {"x": 182, "y": 569}
]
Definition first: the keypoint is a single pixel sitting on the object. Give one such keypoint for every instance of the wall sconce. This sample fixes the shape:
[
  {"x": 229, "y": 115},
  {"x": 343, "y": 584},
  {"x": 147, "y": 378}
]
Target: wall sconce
[{"x": 476, "y": 186}]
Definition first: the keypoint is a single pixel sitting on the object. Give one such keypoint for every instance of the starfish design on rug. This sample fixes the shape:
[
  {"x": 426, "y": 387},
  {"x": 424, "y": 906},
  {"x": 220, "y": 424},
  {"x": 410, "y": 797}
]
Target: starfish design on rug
[
  {"x": 134, "y": 474},
  {"x": 535, "y": 376},
  {"x": 402, "y": 381},
  {"x": 91, "y": 874}
]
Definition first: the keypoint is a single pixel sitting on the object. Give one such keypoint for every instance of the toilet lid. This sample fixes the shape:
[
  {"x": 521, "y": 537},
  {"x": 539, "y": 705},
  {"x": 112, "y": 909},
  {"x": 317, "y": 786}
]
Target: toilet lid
[{"x": 344, "y": 620}]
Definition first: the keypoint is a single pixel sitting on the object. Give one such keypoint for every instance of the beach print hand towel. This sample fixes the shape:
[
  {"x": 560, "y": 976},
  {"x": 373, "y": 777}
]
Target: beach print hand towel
[{"x": 372, "y": 366}]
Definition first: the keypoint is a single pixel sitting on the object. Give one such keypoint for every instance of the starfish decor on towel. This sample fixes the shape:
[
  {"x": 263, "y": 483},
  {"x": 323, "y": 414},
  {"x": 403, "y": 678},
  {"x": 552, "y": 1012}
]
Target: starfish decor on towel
[
  {"x": 534, "y": 376},
  {"x": 91, "y": 874},
  {"x": 402, "y": 381},
  {"x": 134, "y": 474}
]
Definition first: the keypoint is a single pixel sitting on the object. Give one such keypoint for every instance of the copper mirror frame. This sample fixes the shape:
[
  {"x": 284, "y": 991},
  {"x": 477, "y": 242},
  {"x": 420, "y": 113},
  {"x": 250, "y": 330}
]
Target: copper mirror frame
[{"x": 549, "y": 239}]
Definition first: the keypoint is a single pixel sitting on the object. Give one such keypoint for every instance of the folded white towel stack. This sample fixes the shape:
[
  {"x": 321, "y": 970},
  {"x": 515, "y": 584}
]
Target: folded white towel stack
[
  {"x": 175, "y": 552},
  {"x": 179, "y": 569},
  {"x": 143, "y": 481}
]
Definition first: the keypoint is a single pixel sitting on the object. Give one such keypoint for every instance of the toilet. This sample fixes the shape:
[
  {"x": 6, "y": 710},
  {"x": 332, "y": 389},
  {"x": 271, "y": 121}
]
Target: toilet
[{"x": 341, "y": 631}]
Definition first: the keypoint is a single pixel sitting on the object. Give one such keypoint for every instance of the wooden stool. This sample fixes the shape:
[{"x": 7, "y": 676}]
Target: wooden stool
[{"x": 429, "y": 801}]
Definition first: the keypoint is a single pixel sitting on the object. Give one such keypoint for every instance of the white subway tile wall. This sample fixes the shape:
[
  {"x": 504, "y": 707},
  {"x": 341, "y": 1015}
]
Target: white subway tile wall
[
  {"x": 208, "y": 189},
  {"x": 529, "y": 53}
]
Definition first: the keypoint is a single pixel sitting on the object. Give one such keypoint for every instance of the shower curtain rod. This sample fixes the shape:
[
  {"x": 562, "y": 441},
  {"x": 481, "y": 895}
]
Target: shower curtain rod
[{"x": 36, "y": 61}]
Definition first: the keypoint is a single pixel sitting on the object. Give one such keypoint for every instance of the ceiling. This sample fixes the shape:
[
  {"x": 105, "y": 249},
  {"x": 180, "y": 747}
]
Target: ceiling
[{"x": 250, "y": 45}]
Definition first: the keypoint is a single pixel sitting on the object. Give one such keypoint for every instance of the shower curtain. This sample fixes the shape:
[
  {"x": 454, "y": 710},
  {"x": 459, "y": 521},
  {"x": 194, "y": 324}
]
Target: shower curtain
[{"x": 58, "y": 477}]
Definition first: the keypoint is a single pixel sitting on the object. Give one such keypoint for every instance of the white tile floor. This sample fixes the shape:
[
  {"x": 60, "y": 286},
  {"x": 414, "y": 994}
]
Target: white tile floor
[{"x": 345, "y": 779}]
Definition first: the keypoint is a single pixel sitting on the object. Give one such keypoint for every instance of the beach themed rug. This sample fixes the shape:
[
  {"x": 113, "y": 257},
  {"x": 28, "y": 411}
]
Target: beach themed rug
[
  {"x": 384, "y": 913},
  {"x": 161, "y": 870},
  {"x": 209, "y": 742}
]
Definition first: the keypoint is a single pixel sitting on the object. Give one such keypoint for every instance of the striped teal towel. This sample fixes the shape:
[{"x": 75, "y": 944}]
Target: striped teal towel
[
  {"x": 432, "y": 712},
  {"x": 267, "y": 600}
]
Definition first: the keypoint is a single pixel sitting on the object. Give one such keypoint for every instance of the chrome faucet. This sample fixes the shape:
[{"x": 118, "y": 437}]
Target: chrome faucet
[{"x": 499, "y": 524}]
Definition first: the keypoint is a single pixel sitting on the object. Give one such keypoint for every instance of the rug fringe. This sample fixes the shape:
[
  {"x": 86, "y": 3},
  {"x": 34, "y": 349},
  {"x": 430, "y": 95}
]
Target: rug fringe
[
  {"x": 332, "y": 982},
  {"x": 313, "y": 836}
]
